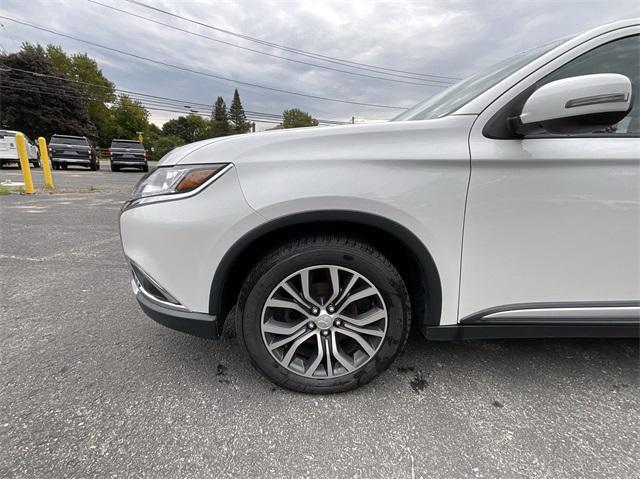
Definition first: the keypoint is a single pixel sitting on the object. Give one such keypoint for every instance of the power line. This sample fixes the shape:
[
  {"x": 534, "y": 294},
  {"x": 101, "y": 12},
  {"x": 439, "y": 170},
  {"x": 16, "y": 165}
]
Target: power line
[
  {"x": 147, "y": 105},
  {"x": 327, "y": 58},
  {"x": 143, "y": 96},
  {"x": 433, "y": 83},
  {"x": 198, "y": 72},
  {"x": 153, "y": 108},
  {"x": 172, "y": 105}
]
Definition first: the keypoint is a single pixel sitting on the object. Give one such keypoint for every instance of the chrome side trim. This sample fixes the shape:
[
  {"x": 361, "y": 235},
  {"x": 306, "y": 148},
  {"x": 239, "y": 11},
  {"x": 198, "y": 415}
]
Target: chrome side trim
[{"x": 558, "y": 313}]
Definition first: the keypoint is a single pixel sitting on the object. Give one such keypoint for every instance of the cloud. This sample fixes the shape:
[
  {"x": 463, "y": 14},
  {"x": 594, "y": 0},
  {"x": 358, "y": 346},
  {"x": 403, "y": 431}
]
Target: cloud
[{"x": 452, "y": 38}]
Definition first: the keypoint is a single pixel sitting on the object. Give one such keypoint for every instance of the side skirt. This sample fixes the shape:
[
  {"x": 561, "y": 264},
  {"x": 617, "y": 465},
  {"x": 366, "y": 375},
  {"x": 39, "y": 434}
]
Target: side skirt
[{"x": 529, "y": 330}]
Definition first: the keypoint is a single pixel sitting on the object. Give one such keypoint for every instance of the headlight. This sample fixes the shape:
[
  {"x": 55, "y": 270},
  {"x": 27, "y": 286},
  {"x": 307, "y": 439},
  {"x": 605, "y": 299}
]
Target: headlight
[{"x": 175, "y": 182}]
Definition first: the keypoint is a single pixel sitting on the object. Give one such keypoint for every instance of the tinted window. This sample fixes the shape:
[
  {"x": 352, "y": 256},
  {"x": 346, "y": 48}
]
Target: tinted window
[
  {"x": 68, "y": 140},
  {"x": 620, "y": 56},
  {"x": 134, "y": 145}
]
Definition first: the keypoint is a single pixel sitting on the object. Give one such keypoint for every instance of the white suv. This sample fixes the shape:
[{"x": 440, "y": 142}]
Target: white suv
[
  {"x": 9, "y": 149},
  {"x": 506, "y": 206}
]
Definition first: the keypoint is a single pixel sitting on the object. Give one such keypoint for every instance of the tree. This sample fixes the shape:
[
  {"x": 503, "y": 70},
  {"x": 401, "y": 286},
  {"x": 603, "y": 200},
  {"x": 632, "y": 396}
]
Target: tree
[
  {"x": 151, "y": 136},
  {"x": 82, "y": 71},
  {"x": 296, "y": 118},
  {"x": 220, "y": 111},
  {"x": 237, "y": 115},
  {"x": 154, "y": 130},
  {"x": 100, "y": 92},
  {"x": 190, "y": 128},
  {"x": 128, "y": 118},
  {"x": 219, "y": 128},
  {"x": 40, "y": 105},
  {"x": 165, "y": 144}
]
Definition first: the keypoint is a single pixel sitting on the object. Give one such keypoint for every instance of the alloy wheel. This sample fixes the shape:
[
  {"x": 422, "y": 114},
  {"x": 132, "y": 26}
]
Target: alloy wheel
[{"x": 324, "y": 321}]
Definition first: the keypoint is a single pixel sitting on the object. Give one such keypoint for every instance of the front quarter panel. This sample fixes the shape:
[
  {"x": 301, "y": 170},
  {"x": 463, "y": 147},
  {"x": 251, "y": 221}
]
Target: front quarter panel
[{"x": 414, "y": 173}]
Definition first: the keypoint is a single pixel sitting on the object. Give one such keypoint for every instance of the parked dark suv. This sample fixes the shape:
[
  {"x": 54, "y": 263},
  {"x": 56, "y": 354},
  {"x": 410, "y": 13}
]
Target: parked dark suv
[
  {"x": 128, "y": 154},
  {"x": 65, "y": 150}
]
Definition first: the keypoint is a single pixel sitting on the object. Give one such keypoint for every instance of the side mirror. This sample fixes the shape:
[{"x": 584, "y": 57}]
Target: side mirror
[{"x": 582, "y": 104}]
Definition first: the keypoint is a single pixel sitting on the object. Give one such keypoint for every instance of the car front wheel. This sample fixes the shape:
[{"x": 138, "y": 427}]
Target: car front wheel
[{"x": 323, "y": 314}]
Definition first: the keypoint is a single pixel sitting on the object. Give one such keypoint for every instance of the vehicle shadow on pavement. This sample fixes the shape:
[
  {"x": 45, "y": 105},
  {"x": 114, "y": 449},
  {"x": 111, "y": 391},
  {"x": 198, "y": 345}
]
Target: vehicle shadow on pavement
[{"x": 517, "y": 365}]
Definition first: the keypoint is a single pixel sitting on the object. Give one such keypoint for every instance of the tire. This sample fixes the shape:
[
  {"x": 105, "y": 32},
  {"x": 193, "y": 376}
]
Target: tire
[
  {"x": 98, "y": 165},
  {"x": 323, "y": 256},
  {"x": 64, "y": 166},
  {"x": 93, "y": 166},
  {"x": 145, "y": 169},
  {"x": 36, "y": 164},
  {"x": 114, "y": 167}
]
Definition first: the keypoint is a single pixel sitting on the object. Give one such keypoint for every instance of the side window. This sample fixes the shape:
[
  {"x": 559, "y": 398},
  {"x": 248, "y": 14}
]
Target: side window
[{"x": 619, "y": 56}]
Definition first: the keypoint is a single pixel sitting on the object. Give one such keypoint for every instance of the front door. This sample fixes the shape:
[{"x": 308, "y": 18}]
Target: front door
[{"x": 552, "y": 228}]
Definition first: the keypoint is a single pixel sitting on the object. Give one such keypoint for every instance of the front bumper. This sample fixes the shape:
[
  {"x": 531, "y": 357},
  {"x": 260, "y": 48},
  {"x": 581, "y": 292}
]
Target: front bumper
[
  {"x": 196, "y": 324},
  {"x": 180, "y": 243}
]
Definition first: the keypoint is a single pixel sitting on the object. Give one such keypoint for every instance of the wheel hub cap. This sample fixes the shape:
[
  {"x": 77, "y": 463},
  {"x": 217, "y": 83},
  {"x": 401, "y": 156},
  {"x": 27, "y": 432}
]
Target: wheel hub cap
[{"x": 324, "y": 321}]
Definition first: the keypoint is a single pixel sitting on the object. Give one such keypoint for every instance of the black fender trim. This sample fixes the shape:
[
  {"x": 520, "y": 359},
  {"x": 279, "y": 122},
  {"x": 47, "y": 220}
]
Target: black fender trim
[{"x": 418, "y": 250}]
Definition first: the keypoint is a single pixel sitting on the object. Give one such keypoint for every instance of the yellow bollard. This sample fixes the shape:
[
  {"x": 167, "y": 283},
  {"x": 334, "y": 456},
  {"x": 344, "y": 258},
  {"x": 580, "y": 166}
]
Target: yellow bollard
[
  {"x": 21, "y": 143},
  {"x": 46, "y": 164}
]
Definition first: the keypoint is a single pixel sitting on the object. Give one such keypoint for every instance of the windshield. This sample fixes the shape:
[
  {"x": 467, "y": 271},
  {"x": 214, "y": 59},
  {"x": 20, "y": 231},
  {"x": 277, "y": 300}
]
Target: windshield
[
  {"x": 133, "y": 145},
  {"x": 454, "y": 97},
  {"x": 68, "y": 140}
]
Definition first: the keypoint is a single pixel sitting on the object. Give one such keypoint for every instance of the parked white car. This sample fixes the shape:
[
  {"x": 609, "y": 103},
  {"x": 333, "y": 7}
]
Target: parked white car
[
  {"x": 508, "y": 206},
  {"x": 9, "y": 149}
]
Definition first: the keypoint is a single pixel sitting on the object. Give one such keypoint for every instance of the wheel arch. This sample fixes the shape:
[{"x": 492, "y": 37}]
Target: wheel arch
[{"x": 399, "y": 244}]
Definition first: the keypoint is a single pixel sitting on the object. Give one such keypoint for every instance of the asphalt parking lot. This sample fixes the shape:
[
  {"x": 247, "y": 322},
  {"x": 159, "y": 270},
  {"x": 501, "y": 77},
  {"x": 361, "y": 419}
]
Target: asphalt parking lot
[{"x": 92, "y": 387}]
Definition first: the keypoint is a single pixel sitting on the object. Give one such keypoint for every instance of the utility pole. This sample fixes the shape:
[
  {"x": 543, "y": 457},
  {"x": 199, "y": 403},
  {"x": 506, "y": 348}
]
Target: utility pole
[{"x": 353, "y": 120}]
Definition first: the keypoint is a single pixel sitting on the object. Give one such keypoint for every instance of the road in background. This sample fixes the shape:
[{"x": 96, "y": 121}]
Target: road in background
[
  {"x": 78, "y": 178},
  {"x": 92, "y": 387}
]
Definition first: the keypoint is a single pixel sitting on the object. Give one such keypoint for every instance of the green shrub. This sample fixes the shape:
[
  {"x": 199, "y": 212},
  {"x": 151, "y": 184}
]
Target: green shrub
[{"x": 165, "y": 144}]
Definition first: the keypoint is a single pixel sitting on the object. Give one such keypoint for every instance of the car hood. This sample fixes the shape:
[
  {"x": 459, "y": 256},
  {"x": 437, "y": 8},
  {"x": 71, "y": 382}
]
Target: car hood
[{"x": 388, "y": 140}]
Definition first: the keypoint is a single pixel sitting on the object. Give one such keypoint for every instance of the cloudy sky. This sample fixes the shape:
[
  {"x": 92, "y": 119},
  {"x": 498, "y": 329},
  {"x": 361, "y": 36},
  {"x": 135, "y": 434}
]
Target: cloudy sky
[{"x": 442, "y": 38}]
